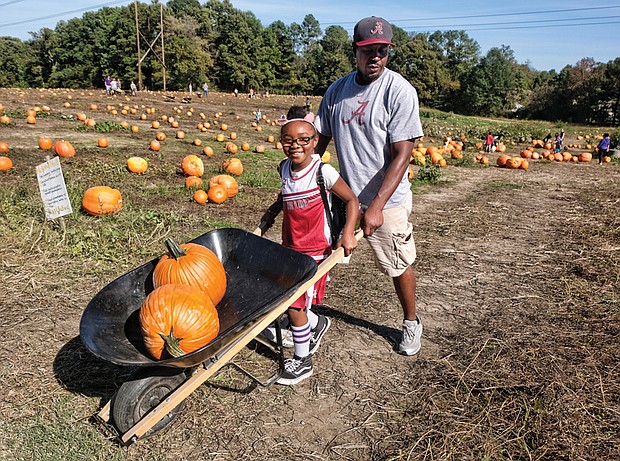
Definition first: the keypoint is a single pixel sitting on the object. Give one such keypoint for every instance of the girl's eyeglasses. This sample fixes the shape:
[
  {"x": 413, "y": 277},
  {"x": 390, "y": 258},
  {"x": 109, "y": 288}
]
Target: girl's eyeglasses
[{"x": 300, "y": 141}]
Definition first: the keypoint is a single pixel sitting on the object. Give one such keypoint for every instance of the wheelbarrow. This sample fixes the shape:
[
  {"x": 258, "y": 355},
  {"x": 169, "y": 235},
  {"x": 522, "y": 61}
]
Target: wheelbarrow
[{"x": 263, "y": 280}]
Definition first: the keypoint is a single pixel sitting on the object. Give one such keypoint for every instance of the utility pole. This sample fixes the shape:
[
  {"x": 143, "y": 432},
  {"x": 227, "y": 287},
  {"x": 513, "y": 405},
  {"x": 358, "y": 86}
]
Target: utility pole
[
  {"x": 150, "y": 45},
  {"x": 135, "y": 5},
  {"x": 163, "y": 60}
]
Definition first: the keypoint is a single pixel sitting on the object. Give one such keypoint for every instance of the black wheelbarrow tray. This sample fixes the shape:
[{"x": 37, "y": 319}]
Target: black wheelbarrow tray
[{"x": 263, "y": 280}]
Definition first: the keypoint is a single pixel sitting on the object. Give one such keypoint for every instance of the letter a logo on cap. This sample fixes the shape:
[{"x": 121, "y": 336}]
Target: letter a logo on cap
[{"x": 378, "y": 29}]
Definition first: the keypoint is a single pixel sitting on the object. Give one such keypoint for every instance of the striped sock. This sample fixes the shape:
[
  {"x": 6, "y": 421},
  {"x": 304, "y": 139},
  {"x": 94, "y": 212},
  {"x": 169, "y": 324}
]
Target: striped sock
[
  {"x": 312, "y": 318},
  {"x": 301, "y": 338}
]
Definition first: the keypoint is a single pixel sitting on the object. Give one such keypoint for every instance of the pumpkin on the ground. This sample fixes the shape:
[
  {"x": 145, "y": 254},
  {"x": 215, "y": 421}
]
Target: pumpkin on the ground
[
  {"x": 232, "y": 165},
  {"x": 137, "y": 164},
  {"x": 193, "y": 166},
  {"x": 208, "y": 151},
  {"x": 177, "y": 319},
  {"x": 103, "y": 142},
  {"x": 4, "y": 147},
  {"x": 217, "y": 194},
  {"x": 193, "y": 181},
  {"x": 514, "y": 163},
  {"x": 64, "y": 149},
  {"x": 191, "y": 264},
  {"x": 585, "y": 157},
  {"x": 230, "y": 184},
  {"x": 45, "y": 143},
  {"x": 201, "y": 197},
  {"x": 5, "y": 164},
  {"x": 102, "y": 200},
  {"x": 155, "y": 145},
  {"x": 502, "y": 159}
]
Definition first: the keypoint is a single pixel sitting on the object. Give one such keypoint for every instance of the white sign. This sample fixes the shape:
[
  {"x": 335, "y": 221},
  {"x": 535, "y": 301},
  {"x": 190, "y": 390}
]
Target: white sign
[{"x": 53, "y": 189}]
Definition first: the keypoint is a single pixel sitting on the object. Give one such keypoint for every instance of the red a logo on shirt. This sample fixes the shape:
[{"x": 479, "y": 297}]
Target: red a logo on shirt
[{"x": 359, "y": 113}]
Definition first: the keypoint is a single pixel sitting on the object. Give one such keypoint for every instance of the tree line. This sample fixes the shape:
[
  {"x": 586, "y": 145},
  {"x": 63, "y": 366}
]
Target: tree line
[{"x": 228, "y": 48}]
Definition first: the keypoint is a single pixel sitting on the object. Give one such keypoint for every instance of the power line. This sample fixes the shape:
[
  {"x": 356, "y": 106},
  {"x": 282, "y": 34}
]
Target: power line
[
  {"x": 501, "y": 27},
  {"x": 56, "y": 15},
  {"x": 494, "y": 15},
  {"x": 503, "y": 24},
  {"x": 11, "y": 2}
]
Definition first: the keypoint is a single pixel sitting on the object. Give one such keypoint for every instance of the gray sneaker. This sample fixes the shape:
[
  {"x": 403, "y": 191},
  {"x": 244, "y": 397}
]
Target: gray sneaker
[
  {"x": 296, "y": 370},
  {"x": 319, "y": 331},
  {"x": 412, "y": 337}
]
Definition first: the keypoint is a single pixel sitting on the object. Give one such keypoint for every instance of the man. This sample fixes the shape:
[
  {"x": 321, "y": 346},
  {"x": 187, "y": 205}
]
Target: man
[{"x": 373, "y": 116}]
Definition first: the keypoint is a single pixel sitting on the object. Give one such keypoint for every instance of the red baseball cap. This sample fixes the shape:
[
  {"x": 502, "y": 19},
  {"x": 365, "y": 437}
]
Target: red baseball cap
[{"x": 372, "y": 30}]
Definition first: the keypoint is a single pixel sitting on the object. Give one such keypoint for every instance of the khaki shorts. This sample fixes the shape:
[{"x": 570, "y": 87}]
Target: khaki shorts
[{"x": 393, "y": 244}]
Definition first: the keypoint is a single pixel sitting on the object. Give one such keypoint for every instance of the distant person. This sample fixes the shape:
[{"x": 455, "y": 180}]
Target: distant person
[
  {"x": 205, "y": 90},
  {"x": 133, "y": 88},
  {"x": 236, "y": 92},
  {"x": 191, "y": 90},
  {"x": 559, "y": 139},
  {"x": 603, "y": 147},
  {"x": 488, "y": 144},
  {"x": 108, "y": 84},
  {"x": 258, "y": 116},
  {"x": 113, "y": 86}
]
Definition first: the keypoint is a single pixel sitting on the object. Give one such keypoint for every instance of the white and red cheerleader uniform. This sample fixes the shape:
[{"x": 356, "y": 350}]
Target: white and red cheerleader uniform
[{"x": 304, "y": 226}]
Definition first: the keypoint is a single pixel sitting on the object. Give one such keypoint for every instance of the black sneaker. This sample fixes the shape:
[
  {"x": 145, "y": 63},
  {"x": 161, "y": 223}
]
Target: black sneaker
[
  {"x": 296, "y": 370},
  {"x": 318, "y": 332}
]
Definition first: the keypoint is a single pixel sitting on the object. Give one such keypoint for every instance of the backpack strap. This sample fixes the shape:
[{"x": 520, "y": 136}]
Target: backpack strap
[
  {"x": 280, "y": 167},
  {"x": 320, "y": 180}
]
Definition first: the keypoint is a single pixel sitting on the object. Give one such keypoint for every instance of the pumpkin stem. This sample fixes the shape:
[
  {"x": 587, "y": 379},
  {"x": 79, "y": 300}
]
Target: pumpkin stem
[
  {"x": 172, "y": 344},
  {"x": 174, "y": 249}
]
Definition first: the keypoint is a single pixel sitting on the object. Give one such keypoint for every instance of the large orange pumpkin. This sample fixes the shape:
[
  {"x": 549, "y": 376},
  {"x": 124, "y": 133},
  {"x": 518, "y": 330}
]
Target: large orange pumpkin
[
  {"x": 102, "y": 200},
  {"x": 230, "y": 184},
  {"x": 177, "y": 319},
  {"x": 194, "y": 265},
  {"x": 103, "y": 142},
  {"x": 585, "y": 157},
  {"x": 233, "y": 165},
  {"x": 4, "y": 147},
  {"x": 193, "y": 166},
  {"x": 64, "y": 149},
  {"x": 5, "y": 164}
]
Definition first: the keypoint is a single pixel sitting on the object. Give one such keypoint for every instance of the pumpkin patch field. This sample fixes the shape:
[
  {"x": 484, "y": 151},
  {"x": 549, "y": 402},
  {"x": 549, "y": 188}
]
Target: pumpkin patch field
[{"x": 518, "y": 280}]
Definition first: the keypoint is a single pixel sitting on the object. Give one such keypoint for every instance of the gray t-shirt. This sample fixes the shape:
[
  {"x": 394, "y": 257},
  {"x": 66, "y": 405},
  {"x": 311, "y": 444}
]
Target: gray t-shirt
[{"x": 364, "y": 120}]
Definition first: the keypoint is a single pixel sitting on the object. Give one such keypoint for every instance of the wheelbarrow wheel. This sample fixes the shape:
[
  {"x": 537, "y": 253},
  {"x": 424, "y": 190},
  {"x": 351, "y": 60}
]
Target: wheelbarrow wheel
[{"x": 142, "y": 392}]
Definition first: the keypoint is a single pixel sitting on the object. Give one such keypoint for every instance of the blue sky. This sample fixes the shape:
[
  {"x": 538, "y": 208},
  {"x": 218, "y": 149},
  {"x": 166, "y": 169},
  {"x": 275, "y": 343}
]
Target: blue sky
[{"x": 547, "y": 34}]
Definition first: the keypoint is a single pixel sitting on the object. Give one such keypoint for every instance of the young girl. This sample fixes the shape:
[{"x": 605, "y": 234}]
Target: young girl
[{"x": 305, "y": 229}]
